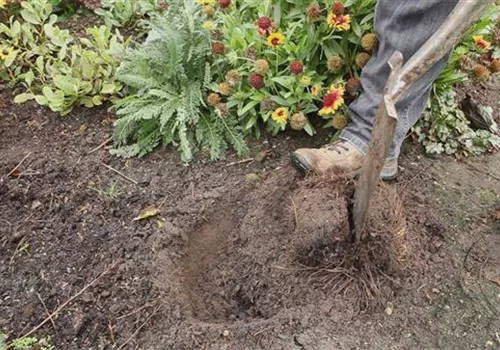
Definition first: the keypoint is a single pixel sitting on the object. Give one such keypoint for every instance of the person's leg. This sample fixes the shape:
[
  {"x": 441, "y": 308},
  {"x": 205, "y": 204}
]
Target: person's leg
[
  {"x": 403, "y": 26},
  {"x": 400, "y": 25}
]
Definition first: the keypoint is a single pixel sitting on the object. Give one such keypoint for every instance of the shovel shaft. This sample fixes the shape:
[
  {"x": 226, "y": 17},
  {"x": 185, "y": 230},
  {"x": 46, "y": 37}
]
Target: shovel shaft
[{"x": 465, "y": 14}]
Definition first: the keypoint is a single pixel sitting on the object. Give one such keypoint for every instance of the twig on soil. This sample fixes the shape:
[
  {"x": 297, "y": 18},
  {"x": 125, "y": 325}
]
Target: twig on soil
[
  {"x": 19, "y": 164},
  {"x": 32, "y": 173},
  {"x": 295, "y": 212},
  {"x": 111, "y": 329},
  {"x": 120, "y": 173},
  {"x": 47, "y": 312},
  {"x": 108, "y": 140},
  {"x": 263, "y": 330},
  {"x": 140, "y": 327},
  {"x": 249, "y": 160},
  {"x": 134, "y": 312},
  {"x": 63, "y": 305}
]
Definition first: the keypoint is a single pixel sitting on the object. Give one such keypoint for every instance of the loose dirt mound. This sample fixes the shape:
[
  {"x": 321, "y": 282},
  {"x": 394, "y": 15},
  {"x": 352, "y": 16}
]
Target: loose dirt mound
[{"x": 284, "y": 246}]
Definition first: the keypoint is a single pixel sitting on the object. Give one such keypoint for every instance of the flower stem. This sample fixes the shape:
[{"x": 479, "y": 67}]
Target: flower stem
[{"x": 277, "y": 58}]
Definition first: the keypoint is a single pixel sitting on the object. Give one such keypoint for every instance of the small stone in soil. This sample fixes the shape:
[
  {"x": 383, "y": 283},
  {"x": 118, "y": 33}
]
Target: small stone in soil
[
  {"x": 261, "y": 156},
  {"x": 389, "y": 309},
  {"x": 252, "y": 177}
]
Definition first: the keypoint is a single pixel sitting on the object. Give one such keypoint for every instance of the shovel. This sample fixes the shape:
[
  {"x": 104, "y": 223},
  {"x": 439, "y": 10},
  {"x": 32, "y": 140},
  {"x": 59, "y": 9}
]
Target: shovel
[{"x": 465, "y": 14}]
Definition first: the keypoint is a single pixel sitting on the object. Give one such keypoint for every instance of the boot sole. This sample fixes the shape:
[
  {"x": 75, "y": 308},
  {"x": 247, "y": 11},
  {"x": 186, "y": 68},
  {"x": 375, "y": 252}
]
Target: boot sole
[{"x": 303, "y": 166}]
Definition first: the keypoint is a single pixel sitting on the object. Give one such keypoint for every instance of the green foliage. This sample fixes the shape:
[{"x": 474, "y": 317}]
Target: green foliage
[
  {"x": 168, "y": 77},
  {"x": 307, "y": 39},
  {"x": 121, "y": 13},
  {"x": 57, "y": 70},
  {"x": 444, "y": 129},
  {"x": 32, "y": 343}
]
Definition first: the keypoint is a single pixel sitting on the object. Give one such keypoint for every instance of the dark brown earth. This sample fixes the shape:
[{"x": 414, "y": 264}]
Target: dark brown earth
[{"x": 242, "y": 255}]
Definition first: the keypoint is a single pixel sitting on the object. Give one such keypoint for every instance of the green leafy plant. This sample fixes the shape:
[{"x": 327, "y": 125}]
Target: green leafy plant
[
  {"x": 168, "y": 78},
  {"x": 32, "y": 343},
  {"x": 444, "y": 129},
  {"x": 127, "y": 13},
  {"x": 313, "y": 53},
  {"x": 57, "y": 70}
]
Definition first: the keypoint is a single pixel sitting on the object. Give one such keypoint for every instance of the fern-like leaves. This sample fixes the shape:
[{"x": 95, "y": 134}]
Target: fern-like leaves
[{"x": 168, "y": 77}]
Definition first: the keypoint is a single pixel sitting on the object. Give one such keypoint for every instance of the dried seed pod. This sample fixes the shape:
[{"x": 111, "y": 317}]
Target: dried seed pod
[
  {"x": 296, "y": 67},
  {"x": 257, "y": 81},
  {"x": 369, "y": 42},
  {"x": 481, "y": 72},
  {"x": 298, "y": 121},
  {"x": 213, "y": 99},
  {"x": 495, "y": 66},
  {"x": 339, "y": 121},
  {"x": 353, "y": 85},
  {"x": 261, "y": 67},
  {"x": 334, "y": 63},
  {"x": 362, "y": 59}
]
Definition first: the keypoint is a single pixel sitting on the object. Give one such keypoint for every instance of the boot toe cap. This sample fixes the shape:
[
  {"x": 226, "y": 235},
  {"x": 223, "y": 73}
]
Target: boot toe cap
[{"x": 300, "y": 161}]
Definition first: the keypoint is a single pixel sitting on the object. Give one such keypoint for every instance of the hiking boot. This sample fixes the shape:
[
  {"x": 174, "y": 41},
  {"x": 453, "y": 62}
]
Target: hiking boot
[{"x": 338, "y": 157}]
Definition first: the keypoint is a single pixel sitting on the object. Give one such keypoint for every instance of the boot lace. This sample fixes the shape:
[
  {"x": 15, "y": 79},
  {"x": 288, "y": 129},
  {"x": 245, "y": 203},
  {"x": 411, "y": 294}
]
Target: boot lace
[{"x": 338, "y": 146}]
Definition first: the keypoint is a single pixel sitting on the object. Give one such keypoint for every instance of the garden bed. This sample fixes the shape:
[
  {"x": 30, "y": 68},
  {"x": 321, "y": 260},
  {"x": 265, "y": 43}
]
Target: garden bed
[
  {"x": 239, "y": 256},
  {"x": 100, "y": 252}
]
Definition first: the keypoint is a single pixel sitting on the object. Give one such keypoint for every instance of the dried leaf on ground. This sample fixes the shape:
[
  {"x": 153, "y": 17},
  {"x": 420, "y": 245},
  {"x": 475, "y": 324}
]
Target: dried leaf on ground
[{"x": 147, "y": 213}]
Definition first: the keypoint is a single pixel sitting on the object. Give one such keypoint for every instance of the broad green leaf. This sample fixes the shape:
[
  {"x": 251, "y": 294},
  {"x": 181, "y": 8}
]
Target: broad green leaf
[
  {"x": 41, "y": 100},
  {"x": 97, "y": 100},
  {"x": 309, "y": 129},
  {"x": 30, "y": 17},
  {"x": 29, "y": 77},
  {"x": 47, "y": 92},
  {"x": 251, "y": 122},
  {"x": 247, "y": 108},
  {"x": 21, "y": 98},
  {"x": 284, "y": 81},
  {"x": 108, "y": 88},
  {"x": 66, "y": 84},
  {"x": 356, "y": 29}
]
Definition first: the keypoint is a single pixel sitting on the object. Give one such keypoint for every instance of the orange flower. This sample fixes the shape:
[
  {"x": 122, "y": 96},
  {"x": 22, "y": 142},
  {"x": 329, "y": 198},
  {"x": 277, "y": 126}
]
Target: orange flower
[
  {"x": 339, "y": 22},
  {"x": 333, "y": 100},
  {"x": 479, "y": 40}
]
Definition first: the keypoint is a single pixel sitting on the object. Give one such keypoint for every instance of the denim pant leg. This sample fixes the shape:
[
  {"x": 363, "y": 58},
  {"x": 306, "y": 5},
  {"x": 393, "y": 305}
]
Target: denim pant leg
[{"x": 403, "y": 25}]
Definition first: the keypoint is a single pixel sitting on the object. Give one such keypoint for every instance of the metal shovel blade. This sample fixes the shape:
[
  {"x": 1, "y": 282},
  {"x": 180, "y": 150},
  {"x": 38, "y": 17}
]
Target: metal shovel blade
[{"x": 465, "y": 14}]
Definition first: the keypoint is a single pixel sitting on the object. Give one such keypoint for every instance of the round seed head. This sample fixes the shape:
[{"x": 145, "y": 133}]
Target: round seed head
[
  {"x": 362, "y": 59},
  {"x": 298, "y": 121}
]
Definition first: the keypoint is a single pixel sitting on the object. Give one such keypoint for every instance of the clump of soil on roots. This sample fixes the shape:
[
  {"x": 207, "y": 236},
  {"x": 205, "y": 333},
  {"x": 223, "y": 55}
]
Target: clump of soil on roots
[{"x": 282, "y": 245}]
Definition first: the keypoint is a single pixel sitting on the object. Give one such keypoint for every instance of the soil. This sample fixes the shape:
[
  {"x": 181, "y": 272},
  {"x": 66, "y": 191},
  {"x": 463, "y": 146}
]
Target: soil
[{"x": 242, "y": 255}]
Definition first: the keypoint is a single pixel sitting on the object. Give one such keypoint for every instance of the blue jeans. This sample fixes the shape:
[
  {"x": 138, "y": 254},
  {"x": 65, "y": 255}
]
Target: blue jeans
[{"x": 403, "y": 25}]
